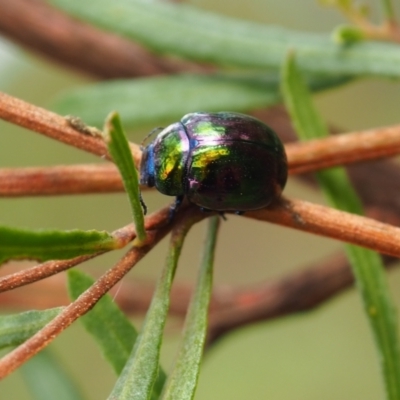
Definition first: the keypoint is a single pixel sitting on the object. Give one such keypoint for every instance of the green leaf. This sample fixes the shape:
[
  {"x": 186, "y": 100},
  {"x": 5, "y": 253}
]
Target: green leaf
[
  {"x": 140, "y": 372},
  {"x": 119, "y": 149},
  {"x": 105, "y": 322},
  {"x": 347, "y": 34},
  {"x": 366, "y": 265},
  {"x": 16, "y": 328},
  {"x": 108, "y": 325},
  {"x": 50, "y": 244},
  {"x": 154, "y": 101},
  {"x": 190, "y": 32},
  {"x": 182, "y": 381},
  {"x": 46, "y": 380}
]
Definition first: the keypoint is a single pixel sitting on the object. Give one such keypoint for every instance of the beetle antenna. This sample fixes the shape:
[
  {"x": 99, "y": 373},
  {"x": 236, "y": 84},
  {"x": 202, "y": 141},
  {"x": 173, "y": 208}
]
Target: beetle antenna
[
  {"x": 142, "y": 203},
  {"x": 151, "y": 133}
]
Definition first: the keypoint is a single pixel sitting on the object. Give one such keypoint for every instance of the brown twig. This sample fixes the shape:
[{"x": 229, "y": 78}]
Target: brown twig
[
  {"x": 343, "y": 149},
  {"x": 335, "y": 224},
  {"x": 49, "y": 268},
  {"x": 40, "y": 271},
  {"x": 298, "y": 291},
  {"x": 54, "y": 34},
  {"x": 296, "y": 214},
  {"x": 366, "y": 177},
  {"x": 302, "y": 157},
  {"x": 42, "y": 121},
  {"x": 231, "y": 307},
  {"x": 134, "y": 297},
  {"x": 311, "y": 218},
  {"x": 90, "y": 297},
  {"x": 59, "y": 180},
  {"x": 71, "y": 313}
]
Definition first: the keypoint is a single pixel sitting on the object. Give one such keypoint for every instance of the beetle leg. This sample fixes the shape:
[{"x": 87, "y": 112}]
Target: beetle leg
[
  {"x": 142, "y": 203},
  {"x": 175, "y": 206},
  {"x": 221, "y": 213}
]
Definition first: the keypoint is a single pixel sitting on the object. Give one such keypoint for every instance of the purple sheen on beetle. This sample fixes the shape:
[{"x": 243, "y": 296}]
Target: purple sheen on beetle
[{"x": 222, "y": 161}]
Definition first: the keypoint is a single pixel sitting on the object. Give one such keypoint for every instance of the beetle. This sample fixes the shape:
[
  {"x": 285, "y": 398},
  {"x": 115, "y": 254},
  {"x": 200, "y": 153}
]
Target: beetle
[{"x": 222, "y": 161}]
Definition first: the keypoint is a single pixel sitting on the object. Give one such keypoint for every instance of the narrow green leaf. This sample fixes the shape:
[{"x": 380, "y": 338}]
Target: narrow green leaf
[
  {"x": 16, "y": 328},
  {"x": 50, "y": 244},
  {"x": 347, "y": 34},
  {"x": 118, "y": 147},
  {"x": 140, "y": 372},
  {"x": 108, "y": 325},
  {"x": 190, "y": 32},
  {"x": 182, "y": 381},
  {"x": 366, "y": 265},
  {"x": 105, "y": 322},
  {"x": 156, "y": 100},
  {"x": 47, "y": 380}
]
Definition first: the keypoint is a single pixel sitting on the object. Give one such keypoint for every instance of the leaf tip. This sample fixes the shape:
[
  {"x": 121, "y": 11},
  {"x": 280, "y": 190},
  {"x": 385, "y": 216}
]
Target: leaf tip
[{"x": 347, "y": 34}]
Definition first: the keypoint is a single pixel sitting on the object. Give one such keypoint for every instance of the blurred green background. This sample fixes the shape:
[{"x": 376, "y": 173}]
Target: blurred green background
[{"x": 324, "y": 354}]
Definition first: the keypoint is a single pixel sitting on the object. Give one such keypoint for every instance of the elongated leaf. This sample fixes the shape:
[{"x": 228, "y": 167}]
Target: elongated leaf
[
  {"x": 50, "y": 244},
  {"x": 154, "y": 101},
  {"x": 108, "y": 325},
  {"x": 105, "y": 322},
  {"x": 46, "y": 380},
  {"x": 118, "y": 147},
  {"x": 366, "y": 265},
  {"x": 16, "y": 328},
  {"x": 182, "y": 381},
  {"x": 140, "y": 372},
  {"x": 190, "y": 32}
]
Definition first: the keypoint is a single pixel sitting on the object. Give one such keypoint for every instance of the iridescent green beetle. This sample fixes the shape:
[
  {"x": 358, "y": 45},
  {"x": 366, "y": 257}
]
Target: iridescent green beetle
[{"x": 222, "y": 161}]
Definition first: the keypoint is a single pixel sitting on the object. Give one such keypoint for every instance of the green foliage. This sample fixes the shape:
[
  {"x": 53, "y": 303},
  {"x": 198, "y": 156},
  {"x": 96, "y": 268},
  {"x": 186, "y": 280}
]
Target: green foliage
[
  {"x": 46, "y": 380},
  {"x": 249, "y": 57},
  {"x": 105, "y": 322},
  {"x": 189, "y": 32},
  {"x": 120, "y": 151},
  {"x": 152, "y": 101},
  {"x": 346, "y": 34},
  {"x": 108, "y": 325},
  {"x": 16, "y": 328},
  {"x": 140, "y": 372},
  {"x": 46, "y": 245},
  {"x": 366, "y": 264},
  {"x": 182, "y": 381}
]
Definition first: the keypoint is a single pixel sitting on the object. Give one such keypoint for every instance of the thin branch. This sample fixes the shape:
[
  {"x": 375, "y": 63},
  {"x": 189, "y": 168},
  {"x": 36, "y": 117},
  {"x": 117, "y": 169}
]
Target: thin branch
[
  {"x": 60, "y": 180},
  {"x": 297, "y": 214},
  {"x": 71, "y": 313},
  {"x": 298, "y": 291},
  {"x": 58, "y": 36},
  {"x": 134, "y": 297},
  {"x": 40, "y": 271},
  {"x": 388, "y": 30},
  {"x": 49, "y": 124},
  {"x": 343, "y": 149},
  {"x": 231, "y": 307},
  {"x": 294, "y": 293},
  {"x": 302, "y": 157},
  {"x": 382, "y": 174},
  {"x": 55, "y": 126},
  {"x": 88, "y": 299},
  {"x": 49, "y": 268},
  {"x": 335, "y": 224}
]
